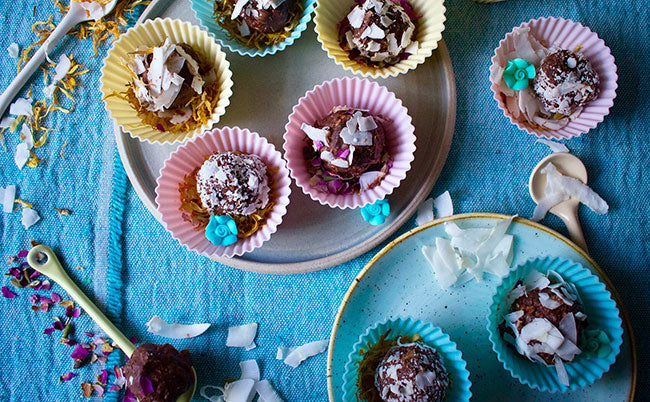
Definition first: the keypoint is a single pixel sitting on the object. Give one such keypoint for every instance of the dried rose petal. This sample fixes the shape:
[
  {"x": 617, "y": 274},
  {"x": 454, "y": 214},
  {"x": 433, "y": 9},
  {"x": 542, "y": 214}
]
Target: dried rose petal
[
  {"x": 22, "y": 253},
  {"x": 67, "y": 376},
  {"x": 34, "y": 274},
  {"x": 114, "y": 388},
  {"x": 87, "y": 389},
  {"x": 129, "y": 397},
  {"x": 98, "y": 389},
  {"x": 89, "y": 334},
  {"x": 15, "y": 272},
  {"x": 102, "y": 359},
  {"x": 103, "y": 376},
  {"x": 68, "y": 342},
  {"x": 34, "y": 299},
  {"x": 7, "y": 293},
  {"x": 133, "y": 340},
  {"x": 48, "y": 331},
  {"x": 107, "y": 349},
  {"x": 79, "y": 352},
  {"x": 55, "y": 297},
  {"x": 58, "y": 325},
  {"x": 146, "y": 385},
  {"x": 46, "y": 300}
]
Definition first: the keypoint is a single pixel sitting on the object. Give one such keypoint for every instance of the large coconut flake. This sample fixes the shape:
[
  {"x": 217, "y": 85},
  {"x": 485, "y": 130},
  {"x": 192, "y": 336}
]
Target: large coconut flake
[
  {"x": 424, "y": 212},
  {"x": 161, "y": 327},
  {"x": 367, "y": 179},
  {"x": 266, "y": 392},
  {"x": 29, "y": 217},
  {"x": 21, "y": 107},
  {"x": 553, "y": 145},
  {"x": 560, "y": 188},
  {"x": 22, "y": 155},
  {"x": 241, "y": 336},
  {"x": 315, "y": 134},
  {"x": 470, "y": 253},
  {"x": 250, "y": 370},
  {"x": 8, "y": 197},
  {"x": 303, "y": 352},
  {"x": 13, "y": 50}
]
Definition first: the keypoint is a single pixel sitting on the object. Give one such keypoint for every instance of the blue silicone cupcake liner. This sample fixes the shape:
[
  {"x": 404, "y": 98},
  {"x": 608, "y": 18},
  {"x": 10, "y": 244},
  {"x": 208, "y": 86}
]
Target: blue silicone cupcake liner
[
  {"x": 204, "y": 9},
  {"x": 602, "y": 314},
  {"x": 459, "y": 389}
]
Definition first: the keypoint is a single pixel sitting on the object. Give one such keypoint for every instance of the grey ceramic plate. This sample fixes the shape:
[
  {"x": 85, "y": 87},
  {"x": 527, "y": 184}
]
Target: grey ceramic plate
[
  {"x": 399, "y": 282},
  {"x": 311, "y": 236}
]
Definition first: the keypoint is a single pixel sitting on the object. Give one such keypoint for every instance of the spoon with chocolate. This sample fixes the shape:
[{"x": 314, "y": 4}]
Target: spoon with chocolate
[{"x": 154, "y": 373}]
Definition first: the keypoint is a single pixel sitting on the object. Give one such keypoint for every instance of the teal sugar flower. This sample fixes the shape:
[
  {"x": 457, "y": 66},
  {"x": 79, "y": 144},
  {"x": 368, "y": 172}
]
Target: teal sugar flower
[
  {"x": 221, "y": 231},
  {"x": 376, "y": 213},
  {"x": 517, "y": 74},
  {"x": 595, "y": 343}
]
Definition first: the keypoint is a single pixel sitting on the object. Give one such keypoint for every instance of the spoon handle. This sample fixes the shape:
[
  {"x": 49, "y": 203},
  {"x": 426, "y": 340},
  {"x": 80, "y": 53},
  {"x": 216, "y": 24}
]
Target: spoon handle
[
  {"x": 53, "y": 269},
  {"x": 72, "y": 18},
  {"x": 572, "y": 223}
]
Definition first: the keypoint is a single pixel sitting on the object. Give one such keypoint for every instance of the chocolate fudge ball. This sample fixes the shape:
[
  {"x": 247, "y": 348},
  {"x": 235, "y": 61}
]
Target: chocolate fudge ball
[
  {"x": 230, "y": 183},
  {"x": 267, "y": 16},
  {"x": 380, "y": 30},
  {"x": 412, "y": 373},
  {"x": 355, "y": 141},
  {"x": 158, "y": 373},
  {"x": 540, "y": 315},
  {"x": 565, "y": 82}
]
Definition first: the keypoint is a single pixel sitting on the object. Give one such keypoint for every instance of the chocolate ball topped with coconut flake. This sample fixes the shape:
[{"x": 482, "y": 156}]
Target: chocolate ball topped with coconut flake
[
  {"x": 233, "y": 184},
  {"x": 412, "y": 372},
  {"x": 545, "y": 318},
  {"x": 158, "y": 373},
  {"x": 349, "y": 141},
  {"x": 266, "y": 16},
  {"x": 167, "y": 77},
  {"x": 566, "y": 82},
  {"x": 381, "y": 32}
]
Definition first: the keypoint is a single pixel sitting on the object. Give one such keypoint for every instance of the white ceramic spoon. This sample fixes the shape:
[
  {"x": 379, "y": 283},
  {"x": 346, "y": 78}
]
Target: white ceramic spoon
[
  {"x": 76, "y": 14},
  {"x": 569, "y": 165},
  {"x": 43, "y": 259}
]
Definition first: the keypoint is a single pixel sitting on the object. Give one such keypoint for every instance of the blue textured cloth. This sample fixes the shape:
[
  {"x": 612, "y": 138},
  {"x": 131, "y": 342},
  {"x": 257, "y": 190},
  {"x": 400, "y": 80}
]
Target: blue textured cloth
[{"x": 487, "y": 170}]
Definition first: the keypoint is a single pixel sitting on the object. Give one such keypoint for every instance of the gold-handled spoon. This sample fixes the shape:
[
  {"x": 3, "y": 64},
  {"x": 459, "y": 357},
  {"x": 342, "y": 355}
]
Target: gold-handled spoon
[
  {"x": 569, "y": 165},
  {"x": 43, "y": 259}
]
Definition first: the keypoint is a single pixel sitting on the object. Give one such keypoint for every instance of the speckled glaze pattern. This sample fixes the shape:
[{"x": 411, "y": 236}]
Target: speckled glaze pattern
[{"x": 398, "y": 282}]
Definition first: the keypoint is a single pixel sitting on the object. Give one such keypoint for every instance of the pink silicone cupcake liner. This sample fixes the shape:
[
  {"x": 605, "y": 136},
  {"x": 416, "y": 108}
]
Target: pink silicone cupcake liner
[
  {"x": 361, "y": 94},
  {"x": 566, "y": 34},
  {"x": 191, "y": 155}
]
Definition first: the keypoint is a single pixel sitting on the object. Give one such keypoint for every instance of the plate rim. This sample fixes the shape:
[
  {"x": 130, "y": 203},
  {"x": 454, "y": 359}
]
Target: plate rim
[
  {"x": 158, "y": 6},
  {"x": 490, "y": 215}
]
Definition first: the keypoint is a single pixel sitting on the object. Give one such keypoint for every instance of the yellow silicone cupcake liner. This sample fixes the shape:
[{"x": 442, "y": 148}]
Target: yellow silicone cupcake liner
[
  {"x": 429, "y": 32},
  {"x": 115, "y": 76}
]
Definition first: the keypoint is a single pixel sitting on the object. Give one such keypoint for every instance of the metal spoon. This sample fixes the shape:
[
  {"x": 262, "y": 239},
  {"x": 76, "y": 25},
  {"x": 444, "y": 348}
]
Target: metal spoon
[
  {"x": 43, "y": 259},
  {"x": 75, "y": 15},
  {"x": 569, "y": 165}
]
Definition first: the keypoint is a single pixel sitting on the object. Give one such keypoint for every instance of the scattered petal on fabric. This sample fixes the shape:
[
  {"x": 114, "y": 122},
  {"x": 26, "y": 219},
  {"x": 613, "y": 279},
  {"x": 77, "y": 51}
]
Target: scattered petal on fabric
[{"x": 7, "y": 293}]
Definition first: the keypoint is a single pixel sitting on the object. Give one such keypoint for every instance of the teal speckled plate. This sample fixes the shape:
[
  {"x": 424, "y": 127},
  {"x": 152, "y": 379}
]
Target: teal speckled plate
[
  {"x": 203, "y": 9},
  {"x": 398, "y": 282}
]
